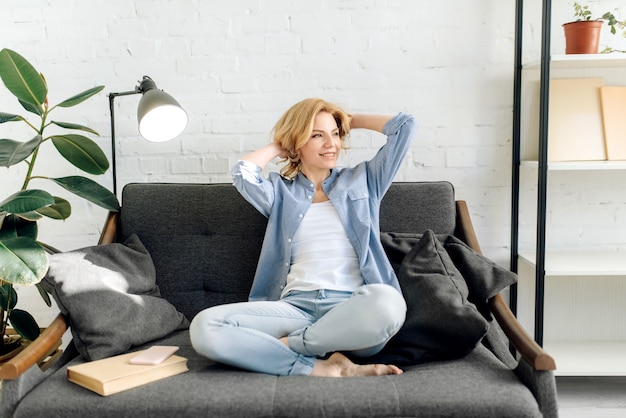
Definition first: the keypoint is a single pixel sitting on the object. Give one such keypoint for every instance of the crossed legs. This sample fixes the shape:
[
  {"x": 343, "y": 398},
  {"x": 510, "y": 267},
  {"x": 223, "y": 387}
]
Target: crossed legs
[{"x": 286, "y": 337}]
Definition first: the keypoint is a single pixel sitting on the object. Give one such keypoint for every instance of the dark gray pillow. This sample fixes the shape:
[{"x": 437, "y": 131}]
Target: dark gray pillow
[
  {"x": 441, "y": 323},
  {"x": 483, "y": 277},
  {"x": 110, "y": 295}
]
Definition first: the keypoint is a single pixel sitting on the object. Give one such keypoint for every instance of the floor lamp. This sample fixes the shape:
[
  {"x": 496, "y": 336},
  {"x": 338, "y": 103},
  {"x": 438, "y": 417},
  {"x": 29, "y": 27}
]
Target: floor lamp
[{"x": 159, "y": 116}]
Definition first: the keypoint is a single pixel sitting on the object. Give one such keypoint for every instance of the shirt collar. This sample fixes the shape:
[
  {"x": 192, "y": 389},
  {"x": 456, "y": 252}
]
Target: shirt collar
[{"x": 303, "y": 181}]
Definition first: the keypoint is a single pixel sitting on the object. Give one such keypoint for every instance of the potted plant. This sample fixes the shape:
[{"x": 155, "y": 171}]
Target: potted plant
[
  {"x": 582, "y": 36},
  {"x": 23, "y": 259}
]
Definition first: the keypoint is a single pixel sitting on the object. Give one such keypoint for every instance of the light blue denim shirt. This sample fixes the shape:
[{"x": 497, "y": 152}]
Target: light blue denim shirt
[{"x": 355, "y": 192}]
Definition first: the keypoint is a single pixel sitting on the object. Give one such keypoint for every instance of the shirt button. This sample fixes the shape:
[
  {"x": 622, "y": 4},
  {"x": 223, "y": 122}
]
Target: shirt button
[
  {"x": 289, "y": 240},
  {"x": 309, "y": 197},
  {"x": 300, "y": 216},
  {"x": 286, "y": 264}
]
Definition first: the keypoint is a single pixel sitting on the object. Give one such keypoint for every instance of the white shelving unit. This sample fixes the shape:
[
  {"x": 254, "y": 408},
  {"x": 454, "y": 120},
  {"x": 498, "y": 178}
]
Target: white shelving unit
[
  {"x": 579, "y": 165},
  {"x": 584, "y": 313},
  {"x": 582, "y": 61},
  {"x": 584, "y": 283},
  {"x": 582, "y": 263}
]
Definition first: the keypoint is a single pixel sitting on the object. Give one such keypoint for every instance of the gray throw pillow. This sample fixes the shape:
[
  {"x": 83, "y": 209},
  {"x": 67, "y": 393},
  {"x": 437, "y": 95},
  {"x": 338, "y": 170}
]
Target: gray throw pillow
[
  {"x": 110, "y": 295},
  {"x": 440, "y": 323},
  {"x": 484, "y": 278}
]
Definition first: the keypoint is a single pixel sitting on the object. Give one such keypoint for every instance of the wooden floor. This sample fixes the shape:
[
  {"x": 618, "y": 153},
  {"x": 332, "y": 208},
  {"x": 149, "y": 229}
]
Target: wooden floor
[{"x": 590, "y": 397}]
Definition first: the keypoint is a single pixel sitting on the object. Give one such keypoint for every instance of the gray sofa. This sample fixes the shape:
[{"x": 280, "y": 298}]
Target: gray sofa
[{"x": 202, "y": 242}]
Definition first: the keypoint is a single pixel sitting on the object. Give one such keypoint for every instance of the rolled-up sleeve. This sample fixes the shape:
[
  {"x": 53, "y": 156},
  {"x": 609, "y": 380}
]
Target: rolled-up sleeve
[
  {"x": 382, "y": 169},
  {"x": 257, "y": 190}
]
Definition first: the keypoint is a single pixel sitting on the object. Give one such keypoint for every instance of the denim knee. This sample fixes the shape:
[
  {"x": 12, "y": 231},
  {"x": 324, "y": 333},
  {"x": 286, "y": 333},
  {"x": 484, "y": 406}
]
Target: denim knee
[
  {"x": 203, "y": 332},
  {"x": 387, "y": 302}
]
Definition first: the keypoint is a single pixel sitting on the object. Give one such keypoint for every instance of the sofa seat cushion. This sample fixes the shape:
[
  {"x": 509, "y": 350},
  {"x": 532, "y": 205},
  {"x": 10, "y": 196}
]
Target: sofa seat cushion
[{"x": 477, "y": 385}]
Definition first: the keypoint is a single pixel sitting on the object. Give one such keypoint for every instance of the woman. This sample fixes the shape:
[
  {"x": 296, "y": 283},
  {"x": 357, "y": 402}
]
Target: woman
[{"x": 323, "y": 284}]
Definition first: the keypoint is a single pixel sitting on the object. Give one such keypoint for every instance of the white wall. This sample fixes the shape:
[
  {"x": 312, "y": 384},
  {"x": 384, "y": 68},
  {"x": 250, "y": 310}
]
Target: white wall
[{"x": 237, "y": 65}]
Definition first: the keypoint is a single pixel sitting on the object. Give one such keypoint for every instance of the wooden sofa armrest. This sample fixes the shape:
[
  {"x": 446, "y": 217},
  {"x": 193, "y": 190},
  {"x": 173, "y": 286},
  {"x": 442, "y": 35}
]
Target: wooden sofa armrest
[
  {"x": 110, "y": 229},
  {"x": 44, "y": 344},
  {"x": 530, "y": 351},
  {"x": 464, "y": 227}
]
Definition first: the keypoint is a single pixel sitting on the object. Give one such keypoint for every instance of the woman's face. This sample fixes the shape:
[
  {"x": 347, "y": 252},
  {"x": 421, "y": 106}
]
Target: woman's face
[{"x": 322, "y": 149}]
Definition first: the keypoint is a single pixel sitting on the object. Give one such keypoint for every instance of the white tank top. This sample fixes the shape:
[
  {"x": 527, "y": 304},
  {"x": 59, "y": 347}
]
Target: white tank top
[{"x": 321, "y": 255}]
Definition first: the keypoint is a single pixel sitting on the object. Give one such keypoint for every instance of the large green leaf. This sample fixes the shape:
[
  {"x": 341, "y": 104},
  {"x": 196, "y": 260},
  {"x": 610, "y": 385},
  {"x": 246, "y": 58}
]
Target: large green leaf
[
  {"x": 44, "y": 295},
  {"x": 80, "y": 97},
  {"x": 21, "y": 78},
  {"x": 13, "y": 152},
  {"x": 26, "y": 201},
  {"x": 68, "y": 125},
  {"x": 8, "y": 297},
  {"x": 90, "y": 190},
  {"x": 9, "y": 117},
  {"x": 61, "y": 209},
  {"x": 22, "y": 261},
  {"x": 24, "y": 324},
  {"x": 82, "y": 152},
  {"x": 32, "y": 216},
  {"x": 14, "y": 226},
  {"x": 32, "y": 108}
]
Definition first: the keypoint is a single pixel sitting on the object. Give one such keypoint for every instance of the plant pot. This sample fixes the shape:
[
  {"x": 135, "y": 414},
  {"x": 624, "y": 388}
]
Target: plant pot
[
  {"x": 14, "y": 344},
  {"x": 11, "y": 347},
  {"x": 582, "y": 37}
]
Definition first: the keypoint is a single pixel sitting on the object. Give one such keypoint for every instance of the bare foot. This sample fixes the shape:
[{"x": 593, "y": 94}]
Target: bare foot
[{"x": 338, "y": 365}]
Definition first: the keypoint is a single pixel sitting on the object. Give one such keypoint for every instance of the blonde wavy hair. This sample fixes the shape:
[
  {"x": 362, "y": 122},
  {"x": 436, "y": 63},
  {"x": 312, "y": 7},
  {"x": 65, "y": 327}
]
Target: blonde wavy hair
[{"x": 294, "y": 129}]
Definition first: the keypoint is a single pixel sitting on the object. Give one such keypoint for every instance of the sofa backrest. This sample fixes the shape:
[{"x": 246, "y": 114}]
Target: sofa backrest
[{"x": 205, "y": 239}]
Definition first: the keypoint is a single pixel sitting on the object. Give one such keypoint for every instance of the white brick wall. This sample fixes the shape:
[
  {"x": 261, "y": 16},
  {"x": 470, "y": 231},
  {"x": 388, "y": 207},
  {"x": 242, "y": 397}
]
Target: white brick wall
[{"x": 237, "y": 65}]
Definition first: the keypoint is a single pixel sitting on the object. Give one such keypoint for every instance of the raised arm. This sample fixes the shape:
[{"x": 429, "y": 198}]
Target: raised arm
[
  {"x": 372, "y": 122},
  {"x": 264, "y": 155}
]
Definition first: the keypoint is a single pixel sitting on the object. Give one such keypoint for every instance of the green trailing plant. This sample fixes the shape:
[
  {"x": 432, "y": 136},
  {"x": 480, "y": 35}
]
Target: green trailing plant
[
  {"x": 583, "y": 14},
  {"x": 23, "y": 259}
]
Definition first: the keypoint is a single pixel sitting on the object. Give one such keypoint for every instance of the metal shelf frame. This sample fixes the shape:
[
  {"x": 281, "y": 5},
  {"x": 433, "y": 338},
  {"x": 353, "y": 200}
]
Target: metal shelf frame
[{"x": 544, "y": 99}]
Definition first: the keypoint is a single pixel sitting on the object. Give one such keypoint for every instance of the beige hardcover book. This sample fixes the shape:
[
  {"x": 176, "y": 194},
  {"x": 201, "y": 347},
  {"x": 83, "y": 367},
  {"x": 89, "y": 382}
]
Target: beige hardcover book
[
  {"x": 614, "y": 118},
  {"x": 575, "y": 131},
  {"x": 115, "y": 374}
]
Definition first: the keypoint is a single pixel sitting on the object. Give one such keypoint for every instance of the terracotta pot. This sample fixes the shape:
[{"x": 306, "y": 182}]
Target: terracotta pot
[{"x": 582, "y": 37}]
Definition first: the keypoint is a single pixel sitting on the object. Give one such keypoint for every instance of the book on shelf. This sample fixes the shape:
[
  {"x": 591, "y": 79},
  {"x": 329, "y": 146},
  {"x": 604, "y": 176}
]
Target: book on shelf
[
  {"x": 575, "y": 120},
  {"x": 614, "y": 118},
  {"x": 116, "y": 374}
]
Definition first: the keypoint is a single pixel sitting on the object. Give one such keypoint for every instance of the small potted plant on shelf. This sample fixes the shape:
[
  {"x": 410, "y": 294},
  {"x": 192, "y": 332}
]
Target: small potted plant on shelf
[
  {"x": 23, "y": 259},
  {"x": 582, "y": 36}
]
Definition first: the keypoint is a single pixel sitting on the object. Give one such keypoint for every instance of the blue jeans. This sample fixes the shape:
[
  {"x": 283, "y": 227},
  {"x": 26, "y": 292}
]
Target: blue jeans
[{"x": 246, "y": 334}]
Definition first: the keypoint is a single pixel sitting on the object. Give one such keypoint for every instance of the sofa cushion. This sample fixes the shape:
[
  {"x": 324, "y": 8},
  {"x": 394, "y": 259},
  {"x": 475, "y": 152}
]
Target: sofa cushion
[
  {"x": 110, "y": 296},
  {"x": 483, "y": 277},
  {"x": 440, "y": 322},
  {"x": 476, "y": 385},
  {"x": 196, "y": 237}
]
